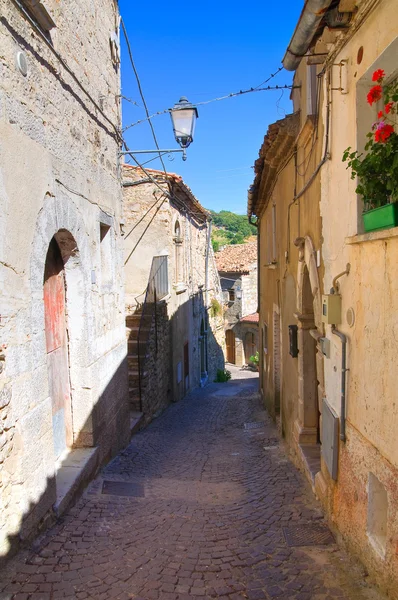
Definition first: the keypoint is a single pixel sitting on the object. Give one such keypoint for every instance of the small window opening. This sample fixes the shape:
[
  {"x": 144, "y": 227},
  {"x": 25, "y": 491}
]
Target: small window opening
[
  {"x": 38, "y": 13},
  {"x": 377, "y": 514},
  {"x": 178, "y": 249},
  {"x": 231, "y": 295},
  {"x": 106, "y": 254}
]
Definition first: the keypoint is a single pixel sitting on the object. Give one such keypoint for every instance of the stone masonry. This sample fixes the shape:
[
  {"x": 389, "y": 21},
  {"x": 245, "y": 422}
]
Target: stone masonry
[{"x": 59, "y": 180}]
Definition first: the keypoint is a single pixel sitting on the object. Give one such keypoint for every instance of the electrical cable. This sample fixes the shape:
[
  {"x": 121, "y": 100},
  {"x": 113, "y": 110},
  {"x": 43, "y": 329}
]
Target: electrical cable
[
  {"x": 231, "y": 95},
  {"x": 63, "y": 63},
  {"x": 141, "y": 92}
]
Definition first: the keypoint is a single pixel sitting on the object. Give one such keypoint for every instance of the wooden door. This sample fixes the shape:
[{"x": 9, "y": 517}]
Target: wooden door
[
  {"x": 57, "y": 349},
  {"x": 230, "y": 343},
  {"x": 250, "y": 345}
]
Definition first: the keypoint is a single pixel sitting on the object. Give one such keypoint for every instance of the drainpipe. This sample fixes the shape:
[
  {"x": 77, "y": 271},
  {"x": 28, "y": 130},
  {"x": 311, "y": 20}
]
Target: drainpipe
[
  {"x": 209, "y": 222},
  {"x": 310, "y": 18},
  {"x": 343, "y": 380}
]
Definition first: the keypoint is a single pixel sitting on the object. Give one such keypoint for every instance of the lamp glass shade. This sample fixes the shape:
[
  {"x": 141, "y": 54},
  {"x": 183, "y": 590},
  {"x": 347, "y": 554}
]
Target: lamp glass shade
[{"x": 183, "y": 116}]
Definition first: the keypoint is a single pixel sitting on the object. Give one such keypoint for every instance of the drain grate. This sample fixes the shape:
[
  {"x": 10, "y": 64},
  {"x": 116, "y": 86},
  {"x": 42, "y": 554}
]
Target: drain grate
[
  {"x": 123, "y": 488},
  {"x": 254, "y": 425},
  {"x": 308, "y": 535}
]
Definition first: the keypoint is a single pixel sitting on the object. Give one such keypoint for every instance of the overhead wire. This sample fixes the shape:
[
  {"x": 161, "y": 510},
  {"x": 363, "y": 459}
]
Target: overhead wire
[
  {"x": 231, "y": 95},
  {"x": 116, "y": 130},
  {"x": 62, "y": 61},
  {"x": 141, "y": 92}
]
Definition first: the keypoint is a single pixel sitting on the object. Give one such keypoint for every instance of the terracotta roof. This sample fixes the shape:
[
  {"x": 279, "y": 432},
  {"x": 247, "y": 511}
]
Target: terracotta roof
[
  {"x": 278, "y": 144},
  {"x": 254, "y": 318},
  {"x": 137, "y": 173},
  {"x": 153, "y": 172},
  {"x": 237, "y": 258}
]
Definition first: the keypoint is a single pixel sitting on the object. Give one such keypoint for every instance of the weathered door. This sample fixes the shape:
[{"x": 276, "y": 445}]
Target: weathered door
[
  {"x": 230, "y": 343},
  {"x": 250, "y": 345},
  {"x": 186, "y": 367},
  {"x": 57, "y": 348}
]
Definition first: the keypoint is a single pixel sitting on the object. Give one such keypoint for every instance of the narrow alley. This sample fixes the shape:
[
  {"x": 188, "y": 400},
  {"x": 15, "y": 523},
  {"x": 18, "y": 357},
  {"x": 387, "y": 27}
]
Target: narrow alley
[{"x": 203, "y": 503}]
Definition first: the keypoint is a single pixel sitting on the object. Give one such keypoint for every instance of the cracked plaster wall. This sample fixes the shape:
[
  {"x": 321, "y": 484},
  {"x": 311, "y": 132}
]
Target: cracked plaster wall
[
  {"x": 58, "y": 170},
  {"x": 371, "y": 289}
]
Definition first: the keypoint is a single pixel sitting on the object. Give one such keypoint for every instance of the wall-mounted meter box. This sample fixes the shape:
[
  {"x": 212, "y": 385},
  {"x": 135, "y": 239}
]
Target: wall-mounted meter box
[{"x": 331, "y": 309}]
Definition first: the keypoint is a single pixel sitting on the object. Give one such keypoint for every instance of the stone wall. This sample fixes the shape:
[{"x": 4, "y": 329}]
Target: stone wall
[
  {"x": 58, "y": 177},
  {"x": 157, "y": 385},
  {"x": 249, "y": 292},
  {"x": 151, "y": 219}
]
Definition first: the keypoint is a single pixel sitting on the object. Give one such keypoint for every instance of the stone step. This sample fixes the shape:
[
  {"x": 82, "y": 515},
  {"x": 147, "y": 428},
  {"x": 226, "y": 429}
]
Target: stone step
[
  {"x": 73, "y": 473},
  {"x": 133, "y": 319},
  {"x": 134, "y": 376},
  {"x": 136, "y": 421}
]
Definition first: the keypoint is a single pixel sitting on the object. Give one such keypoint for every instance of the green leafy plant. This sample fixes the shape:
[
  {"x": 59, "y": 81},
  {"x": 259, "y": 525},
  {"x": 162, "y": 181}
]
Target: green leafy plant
[
  {"x": 255, "y": 359},
  {"x": 222, "y": 376},
  {"x": 215, "y": 308},
  {"x": 216, "y": 245},
  {"x": 377, "y": 167}
]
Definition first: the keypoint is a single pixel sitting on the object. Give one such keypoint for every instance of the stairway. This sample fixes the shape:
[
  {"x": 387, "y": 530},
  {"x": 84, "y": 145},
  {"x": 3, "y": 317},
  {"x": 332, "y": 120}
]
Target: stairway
[{"x": 132, "y": 328}]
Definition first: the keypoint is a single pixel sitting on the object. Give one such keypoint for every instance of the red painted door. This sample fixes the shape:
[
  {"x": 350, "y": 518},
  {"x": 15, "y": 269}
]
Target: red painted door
[{"x": 57, "y": 348}]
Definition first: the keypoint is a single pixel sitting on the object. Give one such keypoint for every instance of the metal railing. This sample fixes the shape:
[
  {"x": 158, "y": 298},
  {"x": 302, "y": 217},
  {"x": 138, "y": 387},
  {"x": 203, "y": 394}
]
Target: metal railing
[{"x": 157, "y": 289}]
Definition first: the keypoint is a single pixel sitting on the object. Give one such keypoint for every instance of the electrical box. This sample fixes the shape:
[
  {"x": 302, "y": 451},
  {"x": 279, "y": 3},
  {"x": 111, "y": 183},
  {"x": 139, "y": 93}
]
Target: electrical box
[
  {"x": 331, "y": 309},
  {"x": 293, "y": 344}
]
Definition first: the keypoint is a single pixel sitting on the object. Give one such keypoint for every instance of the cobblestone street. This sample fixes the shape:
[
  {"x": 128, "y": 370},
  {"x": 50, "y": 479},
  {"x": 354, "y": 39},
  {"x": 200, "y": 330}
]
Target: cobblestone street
[{"x": 208, "y": 516}]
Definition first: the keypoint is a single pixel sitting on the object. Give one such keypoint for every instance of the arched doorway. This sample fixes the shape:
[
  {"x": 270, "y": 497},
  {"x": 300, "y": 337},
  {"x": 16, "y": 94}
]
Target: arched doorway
[
  {"x": 308, "y": 382},
  {"x": 230, "y": 344},
  {"x": 54, "y": 293},
  {"x": 310, "y": 358}
]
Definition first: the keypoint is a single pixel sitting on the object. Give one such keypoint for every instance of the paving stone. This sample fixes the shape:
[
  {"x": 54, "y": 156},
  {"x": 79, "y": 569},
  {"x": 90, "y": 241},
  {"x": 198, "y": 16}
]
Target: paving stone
[{"x": 208, "y": 526}]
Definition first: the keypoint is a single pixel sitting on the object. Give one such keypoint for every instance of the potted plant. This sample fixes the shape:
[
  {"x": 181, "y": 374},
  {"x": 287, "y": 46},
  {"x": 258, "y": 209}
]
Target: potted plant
[
  {"x": 254, "y": 360},
  {"x": 377, "y": 167}
]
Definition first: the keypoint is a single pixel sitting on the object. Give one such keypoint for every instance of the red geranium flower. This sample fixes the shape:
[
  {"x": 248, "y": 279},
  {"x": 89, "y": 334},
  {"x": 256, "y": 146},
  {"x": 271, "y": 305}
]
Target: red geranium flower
[
  {"x": 388, "y": 107},
  {"x": 378, "y": 75},
  {"x": 380, "y": 114},
  {"x": 383, "y": 133},
  {"x": 374, "y": 94}
]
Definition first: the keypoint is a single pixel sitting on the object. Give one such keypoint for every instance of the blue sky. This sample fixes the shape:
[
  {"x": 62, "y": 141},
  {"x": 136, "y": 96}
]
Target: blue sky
[{"x": 204, "y": 51}]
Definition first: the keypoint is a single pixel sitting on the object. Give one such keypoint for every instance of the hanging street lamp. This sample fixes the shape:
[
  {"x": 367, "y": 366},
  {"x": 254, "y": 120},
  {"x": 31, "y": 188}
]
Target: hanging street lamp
[{"x": 183, "y": 117}]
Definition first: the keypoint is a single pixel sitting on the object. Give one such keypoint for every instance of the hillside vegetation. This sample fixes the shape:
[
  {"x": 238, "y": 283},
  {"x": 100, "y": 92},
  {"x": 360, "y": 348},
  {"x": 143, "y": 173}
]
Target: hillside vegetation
[{"x": 230, "y": 228}]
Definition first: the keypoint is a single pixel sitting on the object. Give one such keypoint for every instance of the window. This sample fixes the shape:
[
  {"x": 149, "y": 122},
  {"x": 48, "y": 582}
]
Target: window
[
  {"x": 38, "y": 11},
  {"x": 231, "y": 295},
  {"x": 178, "y": 254},
  {"x": 311, "y": 90},
  {"x": 271, "y": 250},
  {"x": 106, "y": 254}
]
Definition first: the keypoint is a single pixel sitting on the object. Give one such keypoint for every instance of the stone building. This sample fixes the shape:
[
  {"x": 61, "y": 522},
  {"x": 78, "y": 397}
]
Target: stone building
[
  {"x": 173, "y": 293},
  {"x": 333, "y": 380},
  {"x": 63, "y": 368},
  {"x": 237, "y": 267}
]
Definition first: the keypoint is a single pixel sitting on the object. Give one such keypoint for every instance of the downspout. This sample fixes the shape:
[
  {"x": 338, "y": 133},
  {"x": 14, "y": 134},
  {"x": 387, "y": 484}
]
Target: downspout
[
  {"x": 209, "y": 221},
  {"x": 343, "y": 380},
  {"x": 310, "y": 18}
]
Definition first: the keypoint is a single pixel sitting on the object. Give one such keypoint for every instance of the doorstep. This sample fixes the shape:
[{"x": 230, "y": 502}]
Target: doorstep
[
  {"x": 136, "y": 421},
  {"x": 311, "y": 457},
  {"x": 74, "y": 470}
]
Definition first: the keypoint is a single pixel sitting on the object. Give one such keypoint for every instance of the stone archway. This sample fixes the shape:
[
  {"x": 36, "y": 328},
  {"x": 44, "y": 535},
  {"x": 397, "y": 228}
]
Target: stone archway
[
  {"x": 60, "y": 220},
  {"x": 310, "y": 358}
]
